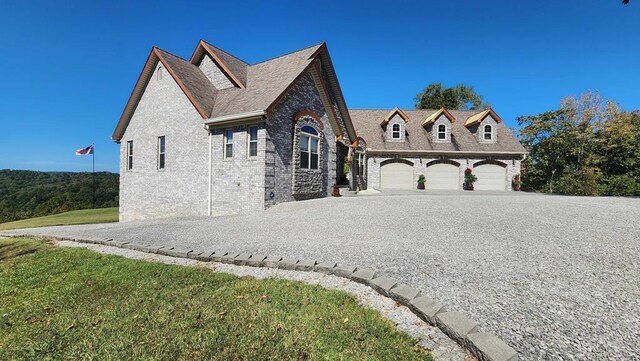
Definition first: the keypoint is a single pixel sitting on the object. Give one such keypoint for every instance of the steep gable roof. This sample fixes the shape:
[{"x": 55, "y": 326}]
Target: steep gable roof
[
  {"x": 266, "y": 83},
  {"x": 259, "y": 87},
  {"x": 234, "y": 68},
  {"x": 478, "y": 118},
  {"x": 189, "y": 78},
  {"x": 433, "y": 117},
  {"x": 392, "y": 113}
]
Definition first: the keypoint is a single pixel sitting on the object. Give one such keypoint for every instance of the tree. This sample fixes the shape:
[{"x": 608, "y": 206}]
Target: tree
[
  {"x": 587, "y": 147},
  {"x": 460, "y": 97}
]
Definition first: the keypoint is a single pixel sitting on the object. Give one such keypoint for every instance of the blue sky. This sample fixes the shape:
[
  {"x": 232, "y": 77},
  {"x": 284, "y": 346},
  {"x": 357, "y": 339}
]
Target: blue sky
[{"x": 69, "y": 66}]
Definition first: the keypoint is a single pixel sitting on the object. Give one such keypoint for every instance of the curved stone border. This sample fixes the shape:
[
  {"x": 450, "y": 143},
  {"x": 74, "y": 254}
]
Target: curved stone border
[{"x": 485, "y": 346}]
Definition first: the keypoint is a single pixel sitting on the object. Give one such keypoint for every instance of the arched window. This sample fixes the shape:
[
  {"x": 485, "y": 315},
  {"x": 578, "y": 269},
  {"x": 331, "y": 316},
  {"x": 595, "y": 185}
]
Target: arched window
[
  {"x": 159, "y": 73},
  {"x": 395, "y": 131},
  {"x": 488, "y": 132},
  {"x": 309, "y": 148},
  {"x": 442, "y": 132}
]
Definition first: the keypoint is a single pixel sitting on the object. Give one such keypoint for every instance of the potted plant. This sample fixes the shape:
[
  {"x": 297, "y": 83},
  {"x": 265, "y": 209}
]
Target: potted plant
[
  {"x": 421, "y": 180},
  {"x": 469, "y": 179},
  {"x": 517, "y": 182}
]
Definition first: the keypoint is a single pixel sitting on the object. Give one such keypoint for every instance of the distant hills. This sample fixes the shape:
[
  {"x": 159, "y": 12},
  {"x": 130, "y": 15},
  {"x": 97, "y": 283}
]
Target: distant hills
[{"x": 26, "y": 194}]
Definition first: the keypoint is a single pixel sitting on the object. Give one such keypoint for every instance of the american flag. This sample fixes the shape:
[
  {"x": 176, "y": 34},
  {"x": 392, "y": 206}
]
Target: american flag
[{"x": 85, "y": 151}]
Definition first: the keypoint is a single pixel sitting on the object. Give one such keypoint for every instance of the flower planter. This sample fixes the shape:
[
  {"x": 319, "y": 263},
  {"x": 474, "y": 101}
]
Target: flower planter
[{"x": 420, "y": 185}]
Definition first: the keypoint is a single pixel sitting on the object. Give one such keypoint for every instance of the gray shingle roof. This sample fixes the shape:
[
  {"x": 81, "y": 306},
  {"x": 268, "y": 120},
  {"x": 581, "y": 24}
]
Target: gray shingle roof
[
  {"x": 367, "y": 124},
  {"x": 193, "y": 79},
  {"x": 265, "y": 81},
  {"x": 237, "y": 66}
]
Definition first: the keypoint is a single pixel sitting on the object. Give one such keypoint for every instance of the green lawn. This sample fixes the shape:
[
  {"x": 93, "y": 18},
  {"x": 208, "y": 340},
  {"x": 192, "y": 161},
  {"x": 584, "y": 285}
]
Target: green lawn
[
  {"x": 100, "y": 215},
  {"x": 72, "y": 303}
]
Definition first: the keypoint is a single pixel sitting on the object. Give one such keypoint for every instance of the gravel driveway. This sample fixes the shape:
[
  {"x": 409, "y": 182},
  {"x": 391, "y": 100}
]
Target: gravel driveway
[{"x": 556, "y": 277}]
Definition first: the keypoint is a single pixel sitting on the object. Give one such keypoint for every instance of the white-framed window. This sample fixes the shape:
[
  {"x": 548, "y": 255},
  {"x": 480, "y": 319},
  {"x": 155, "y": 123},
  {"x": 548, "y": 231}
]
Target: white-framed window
[
  {"x": 395, "y": 131},
  {"x": 309, "y": 148},
  {"x": 130, "y": 155},
  {"x": 228, "y": 143},
  {"x": 488, "y": 132},
  {"x": 161, "y": 152},
  {"x": 252, "y": 137},
  {"x": 442, "y": 132}
]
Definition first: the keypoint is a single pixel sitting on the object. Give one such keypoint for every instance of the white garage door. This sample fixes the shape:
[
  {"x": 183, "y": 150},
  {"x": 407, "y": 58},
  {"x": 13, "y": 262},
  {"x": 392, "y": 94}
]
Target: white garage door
[
  {"x": 443, "y": 176},
  {"x": 491, "y": 177},
  {"x": 396, "y": 176}
]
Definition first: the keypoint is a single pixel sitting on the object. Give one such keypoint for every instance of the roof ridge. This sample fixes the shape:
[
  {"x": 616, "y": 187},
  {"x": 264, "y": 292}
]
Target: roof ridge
[
  {"x": 226, "y": 52},
  {"x": 289, "y": 53},
  {"x": 172, "y": 54}
]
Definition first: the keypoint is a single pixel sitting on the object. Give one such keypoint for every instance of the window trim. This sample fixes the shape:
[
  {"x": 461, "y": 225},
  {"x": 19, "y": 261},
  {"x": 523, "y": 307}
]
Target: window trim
[
  {"x": 226, "y": 142},
  {"x": 129, "y": 155},
  {"x": 249, "y": 141},
  {"x": 394, "y": 131},
  {"x": 162, "y": 152},
  {"x": 310, "y": 137},
  {"x": 485, "y": 133},
  {"x": 443, "y": 132}
]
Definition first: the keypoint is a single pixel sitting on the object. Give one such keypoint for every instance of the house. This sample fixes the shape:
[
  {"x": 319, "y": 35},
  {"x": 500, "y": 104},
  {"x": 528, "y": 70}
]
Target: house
[
  {"x": 400, "y": 145},
  {"x": 214, "y": 135}
]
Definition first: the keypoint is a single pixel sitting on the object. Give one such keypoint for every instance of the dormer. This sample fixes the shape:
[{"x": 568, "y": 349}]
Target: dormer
[
  {"x": 223, "y": 70},
  {"x": 484, "y": 126},
  {"x": 394, "y": 125},
  {"x": 439, "y": 125}
]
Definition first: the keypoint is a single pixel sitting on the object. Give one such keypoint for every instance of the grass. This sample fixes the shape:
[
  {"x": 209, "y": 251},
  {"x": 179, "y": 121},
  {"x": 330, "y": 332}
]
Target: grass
[
  {"x": 100, "y": 215},
  {"x": 72, "y": 303}
]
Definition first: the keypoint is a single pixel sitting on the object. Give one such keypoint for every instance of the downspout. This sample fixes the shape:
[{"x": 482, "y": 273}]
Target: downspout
[{"x": 209, "y": 202}]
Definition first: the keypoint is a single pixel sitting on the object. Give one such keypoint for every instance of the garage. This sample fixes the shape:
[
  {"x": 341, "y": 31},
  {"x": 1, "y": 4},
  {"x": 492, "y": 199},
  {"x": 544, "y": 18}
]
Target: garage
[
  {"x": 396, "y": 175},
  {"x": 442, "y": 176},
  {"x": 491, "y": 177}
]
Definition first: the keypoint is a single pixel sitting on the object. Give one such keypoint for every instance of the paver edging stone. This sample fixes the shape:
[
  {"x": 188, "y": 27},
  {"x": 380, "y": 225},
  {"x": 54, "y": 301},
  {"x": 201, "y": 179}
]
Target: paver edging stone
[{"x": 484, "y": 346}]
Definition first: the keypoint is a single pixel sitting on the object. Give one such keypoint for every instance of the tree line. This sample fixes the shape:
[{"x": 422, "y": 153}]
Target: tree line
[
  {"x": 25, "y": 194},
  {"x": 589, "y": 146}
]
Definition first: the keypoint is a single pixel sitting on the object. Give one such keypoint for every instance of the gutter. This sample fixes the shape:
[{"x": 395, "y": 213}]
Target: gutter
[
  {"x": 235, "y": 119},
  {"x": 428, "y": 152}
]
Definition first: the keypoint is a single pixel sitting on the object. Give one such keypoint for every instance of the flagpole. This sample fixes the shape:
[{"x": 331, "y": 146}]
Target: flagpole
[{"x": 93, "y": 174}]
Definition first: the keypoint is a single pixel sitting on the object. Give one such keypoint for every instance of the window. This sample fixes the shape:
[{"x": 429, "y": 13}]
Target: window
[
  {"x": 395, "y": 131},
  {"x": 442, "y": 132},
  {"x": 130, "y": 155},
  {"x": 309, "y": 148},
  {"x": 161, "y": 154},
  {"x": 228, "y": 143},
  {"x": 253, "y": 141},
  {"x": 159, "y": 73},
  {"x": 359, "y": 164},
  {"x": 488, "y": 132}
]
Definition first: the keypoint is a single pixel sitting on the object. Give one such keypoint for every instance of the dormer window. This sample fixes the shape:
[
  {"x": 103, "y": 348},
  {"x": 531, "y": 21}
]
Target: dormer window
[
  {"x": 395, "y": 131},
  {"x": 488, "y": 132},
  {"x": 442, "y": 132}
]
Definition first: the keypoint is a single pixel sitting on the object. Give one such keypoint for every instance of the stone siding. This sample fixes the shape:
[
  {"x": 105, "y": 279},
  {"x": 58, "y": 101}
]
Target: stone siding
[
  {"x": 215, "y": 74},
  {"x": 280, "y": 183},
  {"x": 396, "y": 119},
  {"x": 442, "y": 119},
  {"x": 181, "y": 188},
  {"x": 478, "y": 130},
  {"x": 420, "y": 166}
]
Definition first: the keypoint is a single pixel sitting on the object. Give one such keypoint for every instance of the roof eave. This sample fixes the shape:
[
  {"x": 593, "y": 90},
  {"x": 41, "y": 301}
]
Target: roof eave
[{"x": 443, "y": 152}]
